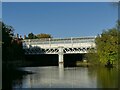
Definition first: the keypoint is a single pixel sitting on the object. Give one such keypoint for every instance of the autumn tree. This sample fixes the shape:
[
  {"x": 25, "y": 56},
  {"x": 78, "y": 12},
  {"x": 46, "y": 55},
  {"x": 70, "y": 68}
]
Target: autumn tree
[{"x": 43, "y": 35}]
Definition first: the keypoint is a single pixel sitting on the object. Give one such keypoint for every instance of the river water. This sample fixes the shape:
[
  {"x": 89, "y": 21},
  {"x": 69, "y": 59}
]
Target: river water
[{"x": 67, "y": 77}]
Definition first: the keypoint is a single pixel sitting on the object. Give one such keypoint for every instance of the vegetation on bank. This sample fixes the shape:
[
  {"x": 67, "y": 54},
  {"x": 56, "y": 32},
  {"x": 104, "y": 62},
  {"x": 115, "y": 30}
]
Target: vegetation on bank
[
  {"x": 107, "y": 50},
  {"x": 11, "y": 46}
]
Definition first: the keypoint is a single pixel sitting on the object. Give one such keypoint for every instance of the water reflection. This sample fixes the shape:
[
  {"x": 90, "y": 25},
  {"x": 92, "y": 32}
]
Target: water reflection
[
  {"x": 72, "y": 77},
  {"x": 61, "y": 65},
  {"x": 61, "y": 72},
  {"x": 106, "y": 77}
]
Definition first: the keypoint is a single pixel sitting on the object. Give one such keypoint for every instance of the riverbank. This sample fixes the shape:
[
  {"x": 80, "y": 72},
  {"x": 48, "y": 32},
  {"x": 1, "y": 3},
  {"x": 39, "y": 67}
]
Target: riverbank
[
  {"x": 83, "y": 64},
  {"x": 88, "y": 64}
]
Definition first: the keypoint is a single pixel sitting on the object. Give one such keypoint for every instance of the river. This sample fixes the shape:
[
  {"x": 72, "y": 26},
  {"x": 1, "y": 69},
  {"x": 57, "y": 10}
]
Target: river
[{"x": 67, "y": 77}]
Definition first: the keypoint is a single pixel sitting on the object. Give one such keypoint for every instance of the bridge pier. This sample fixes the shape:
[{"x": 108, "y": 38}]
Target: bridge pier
[{"x": 60, "y": 56}]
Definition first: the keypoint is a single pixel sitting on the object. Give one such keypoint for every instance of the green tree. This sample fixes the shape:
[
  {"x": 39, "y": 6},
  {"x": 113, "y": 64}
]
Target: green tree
[
  {"x": 11, "y": 47},
  {"x": 43, "y": 35},
  {"x": 118, "y": 27},
  {"x": 107, "y": 46},
  {"x": 7, "y": 36},
  {"x": 30, "y": 36},
  {"x": 92, "y": 56}
]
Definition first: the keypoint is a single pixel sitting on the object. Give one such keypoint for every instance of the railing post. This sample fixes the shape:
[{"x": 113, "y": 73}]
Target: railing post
[{"x": 50, "y": 42}]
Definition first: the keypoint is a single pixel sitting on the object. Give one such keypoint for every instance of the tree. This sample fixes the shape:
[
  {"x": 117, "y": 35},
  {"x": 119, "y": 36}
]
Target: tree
[
  {"x": 7, "y": 36},
  {"x": 92, "y": 56},
  {"x": 43, "y": 35},
  {"x": 11, "y": 47},
  {"x": 38, "y": 36},
  {"x": 107, "y": 46},
  {"x": 30, "y": 36}
]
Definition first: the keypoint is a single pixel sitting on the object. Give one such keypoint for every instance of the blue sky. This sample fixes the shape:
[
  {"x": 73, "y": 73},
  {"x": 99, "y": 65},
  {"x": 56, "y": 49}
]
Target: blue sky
[{"x": 60, "y": 19}]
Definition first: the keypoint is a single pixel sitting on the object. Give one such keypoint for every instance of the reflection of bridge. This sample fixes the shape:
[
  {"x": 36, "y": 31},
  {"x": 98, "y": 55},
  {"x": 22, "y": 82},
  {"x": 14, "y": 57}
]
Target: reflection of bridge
[{"x": 58, "y": 46}]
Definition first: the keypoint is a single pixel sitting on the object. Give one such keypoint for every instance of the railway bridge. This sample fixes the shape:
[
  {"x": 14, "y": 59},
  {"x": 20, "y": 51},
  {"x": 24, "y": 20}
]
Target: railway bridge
[{"x": 59, "y": 46}]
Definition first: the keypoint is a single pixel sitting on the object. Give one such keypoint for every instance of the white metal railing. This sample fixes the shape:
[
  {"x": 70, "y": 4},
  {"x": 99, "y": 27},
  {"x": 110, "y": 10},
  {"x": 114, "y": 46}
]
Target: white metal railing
[{"x": 59, "y": 40}]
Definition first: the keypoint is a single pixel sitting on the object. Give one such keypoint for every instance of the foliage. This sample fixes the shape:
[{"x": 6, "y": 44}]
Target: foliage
[
  {"x": 6, "y": 39},
  {"x": 38, "y": 36},
  {"x": 31, "y": 36},
  {"x": 11, "y": 47},
  {"x": 92, "y": 56},
  {"x": 107, "y": 46},
  {"x": 42, "y": 35},
  {"x": 7, "y": 34}
]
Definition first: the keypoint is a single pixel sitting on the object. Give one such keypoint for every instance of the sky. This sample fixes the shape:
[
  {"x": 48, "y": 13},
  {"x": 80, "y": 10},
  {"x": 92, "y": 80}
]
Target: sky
[
  {"x": 0, "y": 10},
  {"x": 60, "y": 19}
]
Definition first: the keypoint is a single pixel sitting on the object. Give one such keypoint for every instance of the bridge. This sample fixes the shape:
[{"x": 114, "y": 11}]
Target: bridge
[{"x": 58, "y": 46}]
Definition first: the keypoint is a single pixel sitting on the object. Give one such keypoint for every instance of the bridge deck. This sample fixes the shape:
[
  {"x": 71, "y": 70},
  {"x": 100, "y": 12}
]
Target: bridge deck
[
  {"x": 55, "y": 42},
  {"x": 53, "y": 45}
]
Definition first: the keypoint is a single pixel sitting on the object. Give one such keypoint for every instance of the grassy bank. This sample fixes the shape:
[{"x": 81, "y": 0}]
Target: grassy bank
[
  {"x": 83, "y": 64},
  {"x": 89, "y": 64}
]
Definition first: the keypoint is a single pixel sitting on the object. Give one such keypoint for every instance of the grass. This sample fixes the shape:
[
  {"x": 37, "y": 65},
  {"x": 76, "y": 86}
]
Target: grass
[{"x": 82, "y": 64}]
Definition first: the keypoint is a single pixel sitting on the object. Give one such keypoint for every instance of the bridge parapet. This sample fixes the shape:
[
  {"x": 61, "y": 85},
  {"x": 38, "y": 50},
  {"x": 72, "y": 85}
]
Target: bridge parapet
[
  {"x": 56, "y": 42},
  {"x": 51, "y": 46}
]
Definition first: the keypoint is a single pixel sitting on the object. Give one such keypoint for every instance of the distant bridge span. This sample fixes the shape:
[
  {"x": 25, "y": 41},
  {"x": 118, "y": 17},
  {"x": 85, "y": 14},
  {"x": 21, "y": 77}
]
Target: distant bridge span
[{"x": 58, "y": 46}]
